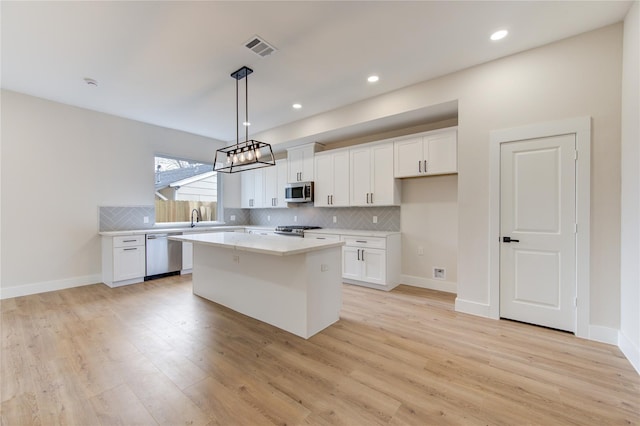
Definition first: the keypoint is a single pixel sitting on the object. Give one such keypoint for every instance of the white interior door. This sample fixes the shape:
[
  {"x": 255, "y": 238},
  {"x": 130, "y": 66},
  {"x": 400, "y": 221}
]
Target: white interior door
[{"x": 538, "y": 233}]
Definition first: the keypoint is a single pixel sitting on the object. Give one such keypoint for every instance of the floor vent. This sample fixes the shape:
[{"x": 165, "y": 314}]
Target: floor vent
[{"x": 260, "y": 47}]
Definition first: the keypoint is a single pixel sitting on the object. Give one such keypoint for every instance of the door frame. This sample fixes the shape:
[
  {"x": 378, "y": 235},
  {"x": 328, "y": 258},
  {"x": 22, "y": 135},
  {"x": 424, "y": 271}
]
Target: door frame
[{"x": 581, "y": 127}]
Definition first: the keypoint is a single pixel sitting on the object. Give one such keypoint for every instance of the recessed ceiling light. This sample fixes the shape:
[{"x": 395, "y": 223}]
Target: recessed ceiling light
[
  {"x": 499, "y": 35},
  {"x": 373, "y": 78},
  {"x": 246, "y": 123},
  {"x": 296, "y": 106}
]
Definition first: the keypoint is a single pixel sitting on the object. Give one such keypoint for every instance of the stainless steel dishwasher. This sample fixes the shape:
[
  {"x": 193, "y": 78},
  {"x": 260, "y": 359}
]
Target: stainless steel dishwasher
[{"x": 164, "y": 256}]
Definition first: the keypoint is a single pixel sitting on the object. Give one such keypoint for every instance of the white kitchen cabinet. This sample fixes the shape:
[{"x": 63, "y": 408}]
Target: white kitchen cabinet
[
  {"x": 252, "y": 189},
  {"x": 331, "y": 177},
  {"x": 371, "y": 261},
  {"x": 275, "y": 179},
  {"x": 371, "y": 176},
  {"x": 433, "y": 153},
  {"x": 300, "y": 162},
  {"x": 123, "y": 260}
]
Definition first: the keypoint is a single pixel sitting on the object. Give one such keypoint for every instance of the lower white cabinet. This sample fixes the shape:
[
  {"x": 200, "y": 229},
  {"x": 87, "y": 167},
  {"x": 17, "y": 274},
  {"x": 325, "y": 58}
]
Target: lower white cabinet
[
  {"x": 187, "y": 257},
  {"x": 371, "y": 260},
  {"x": 123, "y": 260}
]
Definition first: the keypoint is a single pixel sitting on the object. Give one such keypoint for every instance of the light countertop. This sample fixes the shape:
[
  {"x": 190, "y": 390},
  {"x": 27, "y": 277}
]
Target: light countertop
[
  {"x": 357, "y": 233},
  {"x": 183, "y": 229},
  {"x": 266, "y": 244}
]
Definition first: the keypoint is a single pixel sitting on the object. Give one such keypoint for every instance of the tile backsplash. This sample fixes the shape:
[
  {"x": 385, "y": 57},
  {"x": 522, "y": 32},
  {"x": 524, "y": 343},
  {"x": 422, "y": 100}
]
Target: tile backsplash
[
  {"x": 119, "y": 218},
  {"x": 388, "y": 218}
]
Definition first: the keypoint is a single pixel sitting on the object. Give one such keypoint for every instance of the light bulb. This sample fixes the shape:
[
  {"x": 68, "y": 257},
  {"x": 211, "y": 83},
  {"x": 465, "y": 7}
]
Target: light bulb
[
  {"x": 228, "y": 158},
  {"x": 258, "y": 154},
  {"x": 249, "y": 156},
  {"x": 242, "y": 156},
  {"x": 235, "y": 158}
]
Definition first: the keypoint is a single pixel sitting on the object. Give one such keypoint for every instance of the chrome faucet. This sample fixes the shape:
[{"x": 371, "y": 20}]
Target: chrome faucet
[{"x": 198, "y": 218}]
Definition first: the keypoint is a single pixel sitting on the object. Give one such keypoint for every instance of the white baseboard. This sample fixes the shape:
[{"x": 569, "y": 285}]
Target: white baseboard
[
  {"x": 46, "y": 286},
  {"x": 431, "y": 284},
  {"x": 472, "y": 308},
  {"x": 631, "y": 351},
  {"x": 602, "y": 334}
]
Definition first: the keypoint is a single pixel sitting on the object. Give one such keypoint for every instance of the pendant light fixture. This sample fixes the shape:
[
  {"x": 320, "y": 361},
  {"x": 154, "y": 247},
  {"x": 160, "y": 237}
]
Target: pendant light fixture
[{"x": 250, "y": 154}]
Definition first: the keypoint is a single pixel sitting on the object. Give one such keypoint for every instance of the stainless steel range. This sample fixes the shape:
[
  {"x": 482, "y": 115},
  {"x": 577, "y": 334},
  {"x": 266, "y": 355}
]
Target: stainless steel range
[{"x": 296, "y": 231}]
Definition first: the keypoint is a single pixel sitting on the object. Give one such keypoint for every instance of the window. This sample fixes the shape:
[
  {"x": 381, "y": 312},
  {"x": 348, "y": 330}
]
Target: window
[{"x": 182, "y": 186}]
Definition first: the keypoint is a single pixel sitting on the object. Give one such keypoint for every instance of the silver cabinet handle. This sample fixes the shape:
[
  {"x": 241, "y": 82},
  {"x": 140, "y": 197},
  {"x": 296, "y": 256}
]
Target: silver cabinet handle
[
  {"x": 328, "y": 202},
  {"x": 367, "y": 198},
  {"x": 361, "y": 241},
  {"x": 425, "y": 166},
  {"x": 419, "y": 166},
  {"x": 363, "y": 255},
  {"x": 129, "y": 241},
  {"x": 133, "y": 248},
  {"x": 358, "y": 254}
]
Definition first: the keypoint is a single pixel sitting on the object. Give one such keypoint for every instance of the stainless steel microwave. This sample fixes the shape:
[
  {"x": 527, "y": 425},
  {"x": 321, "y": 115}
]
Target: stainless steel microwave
[{"x": 299, "y": 192}]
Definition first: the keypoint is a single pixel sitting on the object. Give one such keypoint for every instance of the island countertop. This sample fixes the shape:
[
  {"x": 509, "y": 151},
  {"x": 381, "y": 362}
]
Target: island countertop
[{"x": 267, "y": 244}]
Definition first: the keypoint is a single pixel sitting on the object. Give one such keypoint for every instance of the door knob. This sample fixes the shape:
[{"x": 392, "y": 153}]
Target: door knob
[{"x": 509, "y": 240}]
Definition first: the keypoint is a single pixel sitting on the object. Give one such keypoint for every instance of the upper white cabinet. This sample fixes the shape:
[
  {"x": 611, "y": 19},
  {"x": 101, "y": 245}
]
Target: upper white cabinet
[
  {"x": 371, "y": 180},
  {"x": 264, "y": 187},
  {"x": 433, "y": 153},
  {"x": 331, "y": 178},
  {"x": 252, "y": 189},
  {"x": 275, "y": 179},
  {"x": 300, "y": 162}
]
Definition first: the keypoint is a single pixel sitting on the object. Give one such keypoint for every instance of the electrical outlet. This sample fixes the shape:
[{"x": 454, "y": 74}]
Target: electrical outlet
[
  {"x": 324, "y": 267},
  {"x": 439, "y": 273},
  {"x": 335, "y": 219},
  {"x": 145, "y": 219},
  {"x": 295, "y": 218},
  {"x": 375, "y": 219},
  {"x": 236, "y": 259},
  {"x": 233, "y": 218},
  {"x": 268, "y": 218},
  {"x": 420, "y": 251}
]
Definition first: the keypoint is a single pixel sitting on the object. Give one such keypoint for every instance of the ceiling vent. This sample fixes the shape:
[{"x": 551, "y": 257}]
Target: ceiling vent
[{"x": 260, "y": 47}]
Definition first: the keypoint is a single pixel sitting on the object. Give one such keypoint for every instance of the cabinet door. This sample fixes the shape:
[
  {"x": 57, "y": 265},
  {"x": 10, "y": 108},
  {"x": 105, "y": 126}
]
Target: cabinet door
[
  {"x": 323, "y": 182},
  {"x": 307, "y": 164},
  {"x": 295, "y": 158},
  {"x": 351, "y": 264},
  {"x": 383, "y": 185},
  {"x": 340, "y": 195},
  {"x": 373, "y": 265},
  {"x": 247, "y": 189},
  {"x": 270, "y": 198},
  {"x": 408, "y": 155},
  {"x": 441, "y": 153},
  {"x": 128, "y": 263},
  {"x": 360, "y": 176},
  {"x": 282, "y": 182}
]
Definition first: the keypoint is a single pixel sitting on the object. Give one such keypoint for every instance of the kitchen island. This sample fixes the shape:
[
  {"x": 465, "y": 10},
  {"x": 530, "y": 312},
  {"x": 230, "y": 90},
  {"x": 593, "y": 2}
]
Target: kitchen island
[{"x": 291, "y": 283}]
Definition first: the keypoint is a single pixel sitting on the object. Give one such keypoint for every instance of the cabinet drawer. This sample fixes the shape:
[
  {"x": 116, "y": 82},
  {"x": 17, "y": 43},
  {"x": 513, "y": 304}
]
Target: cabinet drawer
[
  {"x": 372, "y": 242},
  {"x": 128, "y": 241},
  {"x": 328, "y": 237}
]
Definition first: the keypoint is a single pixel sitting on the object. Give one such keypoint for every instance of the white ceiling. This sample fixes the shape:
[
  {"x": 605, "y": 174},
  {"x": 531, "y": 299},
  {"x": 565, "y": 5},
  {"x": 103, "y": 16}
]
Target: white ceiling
[{"x": 169, "y": 63}]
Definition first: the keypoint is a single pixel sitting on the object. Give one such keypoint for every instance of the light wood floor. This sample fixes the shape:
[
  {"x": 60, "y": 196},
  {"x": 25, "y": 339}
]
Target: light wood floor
[{"x": 153, "y": 353}]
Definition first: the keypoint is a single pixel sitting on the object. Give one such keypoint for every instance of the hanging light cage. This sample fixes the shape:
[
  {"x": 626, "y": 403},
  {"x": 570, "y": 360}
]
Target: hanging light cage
[{"x": 250, "y": 154}]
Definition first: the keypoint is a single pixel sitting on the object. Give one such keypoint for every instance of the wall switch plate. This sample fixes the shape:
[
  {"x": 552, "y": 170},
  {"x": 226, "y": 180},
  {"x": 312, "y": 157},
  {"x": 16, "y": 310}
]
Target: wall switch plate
[
  {"x": 145, "y": 219},
  {"x": 335, "y": 219},
  {"x": 439, "y": 273},
  {"x": 420, "y": 251},
  {"x": 295, "y": 218},
  {"x": 233, "y": 217},
  {"x": 324, "y": 267},
  {"x": 236, "y": 259},
  {"x": 268, "y": 218},
  {"x": 375, "y": 219}
]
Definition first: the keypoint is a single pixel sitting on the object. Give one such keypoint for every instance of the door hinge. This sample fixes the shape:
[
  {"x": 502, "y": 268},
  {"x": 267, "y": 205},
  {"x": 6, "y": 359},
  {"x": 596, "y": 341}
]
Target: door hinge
[
  {"x": 575, "y": 228},
  {"x": 575, "y": 155},
  {"x": 575, "y": 302}
]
